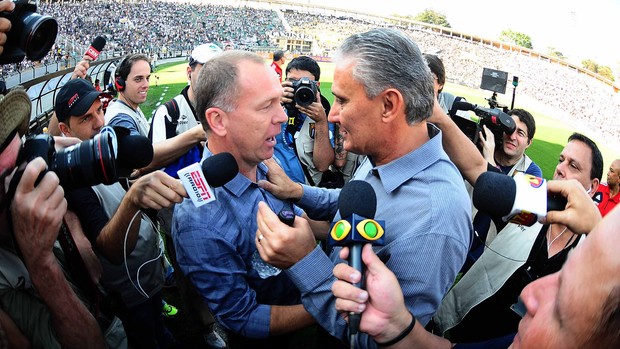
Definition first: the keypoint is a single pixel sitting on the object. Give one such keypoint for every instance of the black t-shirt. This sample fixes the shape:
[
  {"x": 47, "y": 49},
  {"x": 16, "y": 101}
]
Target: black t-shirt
[{"x": 85, "y": 203}]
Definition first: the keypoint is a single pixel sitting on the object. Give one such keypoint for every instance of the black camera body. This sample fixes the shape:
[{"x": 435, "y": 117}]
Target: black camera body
[
  {"x": 84, "y": 164},
  {"x": 31, "y": 35},
  {"x": 496, "y": 120},
  {"x": 304, "y": 92}
]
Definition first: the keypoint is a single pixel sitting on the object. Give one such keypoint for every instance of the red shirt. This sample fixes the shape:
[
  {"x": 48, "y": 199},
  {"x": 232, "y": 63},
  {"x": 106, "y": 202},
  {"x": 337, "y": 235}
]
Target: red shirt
[
  {"x": 277, "y": 68},
  {"x": 602, "y": 199}
]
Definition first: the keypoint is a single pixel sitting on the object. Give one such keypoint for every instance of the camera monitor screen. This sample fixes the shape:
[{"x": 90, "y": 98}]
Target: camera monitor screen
[{"x": 494, "y": 80}]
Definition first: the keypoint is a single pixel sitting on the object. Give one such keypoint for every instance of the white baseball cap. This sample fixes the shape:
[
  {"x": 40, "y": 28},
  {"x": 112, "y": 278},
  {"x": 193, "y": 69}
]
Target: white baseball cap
[{"x": 202, "y": 53}]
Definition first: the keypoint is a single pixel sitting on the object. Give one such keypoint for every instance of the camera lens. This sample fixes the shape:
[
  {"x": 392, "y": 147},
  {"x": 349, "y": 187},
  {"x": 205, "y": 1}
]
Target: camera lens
[
  {"x": 304, "y": 96},
  {"x": 39, "y": 35},
  {"x": 87, "y": 163}
]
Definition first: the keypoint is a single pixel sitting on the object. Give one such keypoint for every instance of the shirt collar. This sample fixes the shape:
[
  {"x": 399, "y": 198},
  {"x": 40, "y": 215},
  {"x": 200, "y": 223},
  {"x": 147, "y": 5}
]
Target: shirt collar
[
  {"x": 240, "y": 183},
  {"x": 397, "y": 172}
]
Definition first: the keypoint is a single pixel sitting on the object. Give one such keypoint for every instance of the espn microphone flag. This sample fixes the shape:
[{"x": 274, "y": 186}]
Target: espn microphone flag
[
  {"x": 196, "y": 184},
  {"x": 96, "y": 47}
]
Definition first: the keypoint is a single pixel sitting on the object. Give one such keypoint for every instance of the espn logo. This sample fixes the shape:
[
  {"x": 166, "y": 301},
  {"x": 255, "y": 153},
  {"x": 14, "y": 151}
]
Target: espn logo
[{"x": 196, "y": 185}]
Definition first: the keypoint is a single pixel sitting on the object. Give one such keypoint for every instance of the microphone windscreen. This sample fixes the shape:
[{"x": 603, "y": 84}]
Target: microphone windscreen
[
  {"x": 494, "y": 193},
  {"x": 98, "y": 43},
  {"x": 220, "y": 169},
  {"x": 357, "y": 197},
  {"x": 134, "y": 151}
]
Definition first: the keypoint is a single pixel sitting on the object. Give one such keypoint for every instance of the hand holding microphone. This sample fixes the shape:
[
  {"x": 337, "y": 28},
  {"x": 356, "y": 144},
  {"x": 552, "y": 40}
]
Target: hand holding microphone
[
  {"x": 357, "y": 204},
  {"x": 581, "y": 214},
  {"x": 95, "y": 48},
  {"x": 214, "y": 172},
  {"x": 91, "y": 54}
]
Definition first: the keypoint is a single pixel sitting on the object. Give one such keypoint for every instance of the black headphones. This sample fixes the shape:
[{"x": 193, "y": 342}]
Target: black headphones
[{"x": 119, "y": 82}]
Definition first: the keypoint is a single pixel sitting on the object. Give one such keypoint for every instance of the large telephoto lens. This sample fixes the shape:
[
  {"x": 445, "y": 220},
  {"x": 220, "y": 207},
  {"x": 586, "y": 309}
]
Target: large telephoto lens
[
  {"x": 38, "y": 36},
  {"x": 87, "y": 163}
]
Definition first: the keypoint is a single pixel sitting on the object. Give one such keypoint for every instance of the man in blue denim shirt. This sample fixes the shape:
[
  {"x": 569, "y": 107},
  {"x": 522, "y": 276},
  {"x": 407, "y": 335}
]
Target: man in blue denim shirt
[
  {"x": 238, "y": 102},
  {"x": 383, "y": 95}
]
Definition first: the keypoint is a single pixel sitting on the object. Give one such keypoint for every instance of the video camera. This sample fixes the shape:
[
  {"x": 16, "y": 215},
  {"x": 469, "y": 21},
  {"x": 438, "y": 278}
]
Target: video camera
[
  {"x": 31, "y": 35},
  {"x": 495, "y": 120},
  {"x": 304, "y": 93}
]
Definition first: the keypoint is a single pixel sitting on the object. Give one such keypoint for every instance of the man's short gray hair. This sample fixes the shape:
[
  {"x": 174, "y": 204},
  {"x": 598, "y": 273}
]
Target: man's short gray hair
[{"x": 387, "y": 58}]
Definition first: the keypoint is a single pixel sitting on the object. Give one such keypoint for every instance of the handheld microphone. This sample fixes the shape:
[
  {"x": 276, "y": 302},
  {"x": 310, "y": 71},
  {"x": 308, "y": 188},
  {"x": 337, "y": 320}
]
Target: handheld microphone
[
  {"x": 357, "y": 204},
  {"x": 130, "y": 151},
  {"x": 216, "y": 170},
  {"x": 522, "y": 199},
  {"x": 96, "y": 47}
]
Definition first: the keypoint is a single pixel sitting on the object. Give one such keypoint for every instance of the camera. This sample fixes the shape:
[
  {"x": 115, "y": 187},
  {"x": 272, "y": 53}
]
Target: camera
[
  {"x": 496, "y": 120},
  {"x": 84, "y": 164},
  {"x": 304, "y": 92},
  {"x": 32, "y": 35}
]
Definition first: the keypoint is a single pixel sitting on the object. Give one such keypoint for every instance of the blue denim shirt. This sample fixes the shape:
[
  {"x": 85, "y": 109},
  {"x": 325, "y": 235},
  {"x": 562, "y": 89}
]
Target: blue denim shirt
[
  {"x": 214, "y": 245},
  {"x": 427, "y": 213}
]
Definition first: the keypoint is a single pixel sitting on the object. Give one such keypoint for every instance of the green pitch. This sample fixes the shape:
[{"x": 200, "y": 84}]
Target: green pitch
[{"x": 551, "y": 134}]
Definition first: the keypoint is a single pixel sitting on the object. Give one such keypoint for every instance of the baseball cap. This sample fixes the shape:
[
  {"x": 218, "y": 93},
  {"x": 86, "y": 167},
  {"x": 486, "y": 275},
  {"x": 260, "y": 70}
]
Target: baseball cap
[
  {"x": 14, "y": 115},
  {"x": 202, "y": 53},
  {"x": 75, "y": 98}
]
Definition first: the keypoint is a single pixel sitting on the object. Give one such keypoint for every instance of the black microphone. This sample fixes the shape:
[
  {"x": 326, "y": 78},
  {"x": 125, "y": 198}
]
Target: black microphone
[
  {"x": 96, "y": 47},
  {"x": 134, "y": 152},
  {"x": 522, "y": 199},
  {"x": 215, "y": 171},
  {"x": 357, "y": 204},
  {"x": 493, "y": 116},
  {"x": 220, "y": 169}
]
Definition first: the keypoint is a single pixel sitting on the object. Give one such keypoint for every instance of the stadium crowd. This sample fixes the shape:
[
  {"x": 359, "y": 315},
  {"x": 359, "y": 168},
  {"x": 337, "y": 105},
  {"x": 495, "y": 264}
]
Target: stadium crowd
[
  {"x": 300, "y": 186},
  {"x": 152, "y": 26}
]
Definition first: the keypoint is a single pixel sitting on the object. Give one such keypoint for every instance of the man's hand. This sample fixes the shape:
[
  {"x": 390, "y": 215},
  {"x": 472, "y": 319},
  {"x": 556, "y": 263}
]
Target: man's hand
[
  {"x": 156, "y": 190},
  {"x": 37, "y": 213},
  {"x": 288, "y": 93},
  {"x": 488, "y": 145},
  {"x": 279, "y": 184},
  {"x": 5, "y": 24},
  {"x": 382, "y": 305},
  {"x": 315, "y": 110},
  {"x": 278, "y": 244},
  {"x": 81, "y": 68},
  {"x": 581, "y": 214},
  {"x": 64, "y": 142}
]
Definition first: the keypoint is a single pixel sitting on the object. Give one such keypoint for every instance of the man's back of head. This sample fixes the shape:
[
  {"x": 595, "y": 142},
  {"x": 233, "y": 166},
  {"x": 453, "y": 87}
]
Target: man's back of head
[{"x": 278, "y": 55}]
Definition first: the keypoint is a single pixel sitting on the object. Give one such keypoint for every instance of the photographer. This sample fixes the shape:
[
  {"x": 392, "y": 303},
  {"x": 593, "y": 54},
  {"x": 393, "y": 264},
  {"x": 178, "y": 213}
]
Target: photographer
[
  {"x": 305, "y": 145},
  {"x": 34, "y": 292},
  {"x": 124, "y": 244}
]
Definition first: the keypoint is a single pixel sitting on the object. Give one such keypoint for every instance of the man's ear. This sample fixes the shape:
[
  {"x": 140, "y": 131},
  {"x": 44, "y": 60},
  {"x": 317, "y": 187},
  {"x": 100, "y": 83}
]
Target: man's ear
[
  {"x": 392, "y": 103},
  {"x": 189, "y": 73},
  {"x": 594, "y": 186},
  {"x": 65, "y": 130},
  {"x": 217, "y": 120}
]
